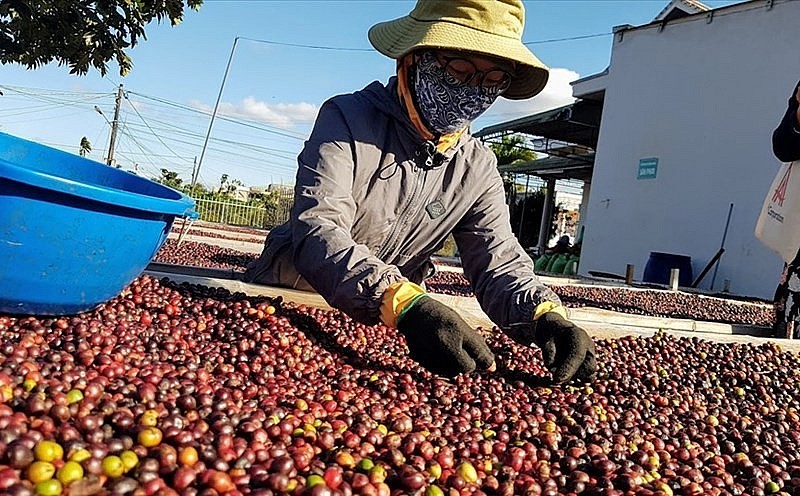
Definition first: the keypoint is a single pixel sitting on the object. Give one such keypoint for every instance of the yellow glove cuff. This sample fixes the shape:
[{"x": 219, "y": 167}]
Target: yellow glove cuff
[
  {"x": 396, "y": 298},
  {"x": 549, "y": 306}
]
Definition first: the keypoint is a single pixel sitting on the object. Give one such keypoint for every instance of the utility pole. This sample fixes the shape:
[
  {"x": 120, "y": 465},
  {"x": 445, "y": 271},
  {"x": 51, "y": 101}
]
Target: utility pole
[
  {"x": 216, "y": 107},
  {"x": 114, "y": 125},
  {"x": 194, "y": 176}
]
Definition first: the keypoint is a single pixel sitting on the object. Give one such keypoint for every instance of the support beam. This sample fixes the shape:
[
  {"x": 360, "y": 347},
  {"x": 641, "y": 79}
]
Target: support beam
[{"x": 547, "y": 215}]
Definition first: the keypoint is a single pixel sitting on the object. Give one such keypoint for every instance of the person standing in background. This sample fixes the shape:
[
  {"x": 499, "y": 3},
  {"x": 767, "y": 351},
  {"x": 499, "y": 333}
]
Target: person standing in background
[{"x": 786, "y": 147}]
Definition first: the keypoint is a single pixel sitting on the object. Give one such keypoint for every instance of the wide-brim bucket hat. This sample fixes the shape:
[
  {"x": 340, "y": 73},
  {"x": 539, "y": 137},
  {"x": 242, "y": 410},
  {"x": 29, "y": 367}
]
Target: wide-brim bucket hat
[{"x": 487, "y": 27}]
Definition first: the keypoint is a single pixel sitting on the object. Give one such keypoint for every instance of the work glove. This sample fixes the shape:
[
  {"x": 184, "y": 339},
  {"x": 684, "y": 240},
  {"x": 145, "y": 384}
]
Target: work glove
[
  {"x": 567, "y": 350},
  {"x": 440, "y": 340}
]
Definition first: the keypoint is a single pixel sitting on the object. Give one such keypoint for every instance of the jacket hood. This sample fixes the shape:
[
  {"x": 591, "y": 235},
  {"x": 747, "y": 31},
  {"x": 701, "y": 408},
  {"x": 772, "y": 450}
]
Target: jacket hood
[{"x": 385, "y": 98}]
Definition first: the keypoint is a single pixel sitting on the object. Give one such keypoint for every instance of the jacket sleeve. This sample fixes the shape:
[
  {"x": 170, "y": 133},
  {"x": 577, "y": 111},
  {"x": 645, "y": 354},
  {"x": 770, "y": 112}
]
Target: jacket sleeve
[
  {"x": 345, "y": 273},
  {"x": 786, "y": 137},
  {"x": 500, "y": 271}
]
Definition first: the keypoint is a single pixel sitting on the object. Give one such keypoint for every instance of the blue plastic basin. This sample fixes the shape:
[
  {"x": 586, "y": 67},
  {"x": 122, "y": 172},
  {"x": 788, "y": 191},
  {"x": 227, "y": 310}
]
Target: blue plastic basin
[{"x": 75, "y": 232}]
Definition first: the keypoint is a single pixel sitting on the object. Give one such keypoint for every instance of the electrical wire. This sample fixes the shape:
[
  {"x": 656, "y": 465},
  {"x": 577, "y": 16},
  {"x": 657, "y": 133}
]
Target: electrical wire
[
  {"x": 354, "y": 49},
  {"x": 169, "y": 126},
  {"x": 274, "y": 152},
  {"x": 151, "y": 129},
  {"x": 147, "y": 153},
  {"x": 265, "y": 128},
  {"x": 131, "y": 145}
]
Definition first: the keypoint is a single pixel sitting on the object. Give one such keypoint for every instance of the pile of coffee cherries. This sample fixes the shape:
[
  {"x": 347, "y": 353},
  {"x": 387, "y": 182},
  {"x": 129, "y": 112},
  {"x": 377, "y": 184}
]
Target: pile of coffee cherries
[
  {"x": 197, "y": 254},
  {"x": 654, "y": 302},
  {"x": 631, "y": 301},
  {"x": 176, "y": 389}
]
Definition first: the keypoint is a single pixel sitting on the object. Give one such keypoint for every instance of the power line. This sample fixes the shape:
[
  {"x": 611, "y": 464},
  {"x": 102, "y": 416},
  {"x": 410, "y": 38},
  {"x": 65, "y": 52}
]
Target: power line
[
  {"x": 276, "y": 152},
  {"x": 151, "y": 129},
  {"x": 230, "y": 153},
  {"x": 570, "y": 38},
  {"x": 51, "y": 102},
  {"x": 48, "y": 91},
  {"x": 163, "y": 132},
  {"x": 311, "y": 47},
  {"x": 265, "y": 128},
  {"x": 147, "y": 153},
  {"x": 354, "y": 49}
]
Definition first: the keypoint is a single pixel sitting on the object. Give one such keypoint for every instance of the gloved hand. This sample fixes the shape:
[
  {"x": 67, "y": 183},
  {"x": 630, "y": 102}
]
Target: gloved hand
[
  {"x": 440, "y": 340},
  {"x": 568, "y": 351}
]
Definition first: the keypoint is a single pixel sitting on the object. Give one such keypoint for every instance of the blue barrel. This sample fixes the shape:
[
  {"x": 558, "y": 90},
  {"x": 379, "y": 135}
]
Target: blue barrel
[{"x": 660, "y": 264}]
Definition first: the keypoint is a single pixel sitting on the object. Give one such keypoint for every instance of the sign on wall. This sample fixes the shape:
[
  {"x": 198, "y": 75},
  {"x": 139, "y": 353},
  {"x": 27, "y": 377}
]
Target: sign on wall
[{"x": 648, "y": 168}]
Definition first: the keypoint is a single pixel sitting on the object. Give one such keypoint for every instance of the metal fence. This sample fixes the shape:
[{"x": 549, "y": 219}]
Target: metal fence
[{"x": 242, "y": 214}]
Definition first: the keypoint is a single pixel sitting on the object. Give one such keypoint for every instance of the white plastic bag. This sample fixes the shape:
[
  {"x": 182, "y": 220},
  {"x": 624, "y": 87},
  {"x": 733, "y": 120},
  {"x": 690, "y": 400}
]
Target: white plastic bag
[{"x": 777, "y": 225}]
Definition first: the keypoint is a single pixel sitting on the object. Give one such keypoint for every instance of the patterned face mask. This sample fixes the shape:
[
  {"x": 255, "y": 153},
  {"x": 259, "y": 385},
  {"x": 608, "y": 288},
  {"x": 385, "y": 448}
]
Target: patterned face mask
[{"x": 445, "y": 103}]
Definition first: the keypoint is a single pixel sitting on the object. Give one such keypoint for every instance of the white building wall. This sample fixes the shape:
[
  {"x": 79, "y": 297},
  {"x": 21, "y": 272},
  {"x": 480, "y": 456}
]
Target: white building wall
[{"x": 703, "y": 97}]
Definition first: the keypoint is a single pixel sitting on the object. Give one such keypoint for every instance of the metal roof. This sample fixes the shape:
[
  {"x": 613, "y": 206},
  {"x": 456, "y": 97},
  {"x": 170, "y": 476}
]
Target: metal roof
[
  {"x": 577, "y": 123},
  {"x": 567, "y": 134},
  {"x": 552, "y": 167}
]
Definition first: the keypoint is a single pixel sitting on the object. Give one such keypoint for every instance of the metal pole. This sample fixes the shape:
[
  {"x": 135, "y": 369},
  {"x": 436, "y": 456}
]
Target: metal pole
[
  {"x": 722, "y": 244},
  {"x": 114, "y": 126},
  {"x": 214, "y": 113},
  {"x": 547, "y": 209},
  {"x": 194, "y": 176},
  {"x": 674, "y": 278},
  {"x": 524, "y": 202}
]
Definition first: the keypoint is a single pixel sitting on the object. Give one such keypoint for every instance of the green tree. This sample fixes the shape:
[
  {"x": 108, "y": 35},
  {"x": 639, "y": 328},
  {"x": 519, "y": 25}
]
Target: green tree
[
  {"x": 170, "y": 178},
  {"x": 526, "y": 211},
  {"x": 511, "y": 149},
  {"x": 198, "y": 191},
  {"x": 526, "y": 217},
  {"x": 268, "y": 199},
  {"x": 80, "y": 33},
  {"x": 233, "y": 184},
  {"x": 85, "y": 147}
]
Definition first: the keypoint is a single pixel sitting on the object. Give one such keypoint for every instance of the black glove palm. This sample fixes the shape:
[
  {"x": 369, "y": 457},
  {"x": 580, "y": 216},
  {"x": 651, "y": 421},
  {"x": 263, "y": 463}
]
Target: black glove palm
[
  {"x": 567, "y": 350},
  {"x": 440, "y": 340}
]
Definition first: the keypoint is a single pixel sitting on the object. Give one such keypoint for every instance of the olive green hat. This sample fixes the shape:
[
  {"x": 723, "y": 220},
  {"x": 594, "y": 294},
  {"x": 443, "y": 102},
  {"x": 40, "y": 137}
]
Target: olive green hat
[{"x": 488, "y": 27}]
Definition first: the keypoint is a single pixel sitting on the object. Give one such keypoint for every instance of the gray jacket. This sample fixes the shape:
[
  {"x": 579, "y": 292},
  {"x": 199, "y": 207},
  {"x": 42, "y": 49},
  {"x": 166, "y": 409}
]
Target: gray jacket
[{"x": 374, "y": 201}]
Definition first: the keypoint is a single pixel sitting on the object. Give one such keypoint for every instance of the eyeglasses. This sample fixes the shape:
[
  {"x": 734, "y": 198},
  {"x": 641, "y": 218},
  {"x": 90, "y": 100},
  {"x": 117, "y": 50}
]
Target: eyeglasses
[{"x": 465, "y": 72}]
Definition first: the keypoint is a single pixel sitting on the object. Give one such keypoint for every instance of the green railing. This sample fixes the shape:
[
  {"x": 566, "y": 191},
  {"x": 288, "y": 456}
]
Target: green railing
[{"x": 242, "y": 214}]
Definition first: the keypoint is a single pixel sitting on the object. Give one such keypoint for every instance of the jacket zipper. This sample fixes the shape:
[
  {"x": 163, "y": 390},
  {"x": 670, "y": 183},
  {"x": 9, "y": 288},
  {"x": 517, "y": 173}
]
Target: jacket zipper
[{"x": 399, "y": 224}]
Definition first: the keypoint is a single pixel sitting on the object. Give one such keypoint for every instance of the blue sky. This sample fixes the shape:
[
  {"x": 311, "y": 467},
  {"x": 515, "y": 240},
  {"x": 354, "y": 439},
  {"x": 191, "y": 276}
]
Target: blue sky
[{"x": 273, "y": 89}]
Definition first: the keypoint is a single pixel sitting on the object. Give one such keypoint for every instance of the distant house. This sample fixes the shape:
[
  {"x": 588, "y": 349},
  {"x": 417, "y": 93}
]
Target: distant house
[
  {"x": 283, "y": 188},
  {"x": 237, "y": 192}
]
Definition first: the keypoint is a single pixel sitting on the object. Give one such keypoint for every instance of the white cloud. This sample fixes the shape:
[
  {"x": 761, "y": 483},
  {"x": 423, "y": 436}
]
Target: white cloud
[
  {"x": 558, "y": 92},
  {"x": 280, "y": 115}
]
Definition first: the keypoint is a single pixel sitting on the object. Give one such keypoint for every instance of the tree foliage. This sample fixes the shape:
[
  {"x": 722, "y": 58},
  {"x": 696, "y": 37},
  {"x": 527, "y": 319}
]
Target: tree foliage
[
  {"x": 510, "y": 149},
  {"x": 525, "y": 209},
  {"x": 170, "y": 179},
  {"x": 526, "y": 217},
  {"x": 267, "y": 207},
  {"x": 85, "y": 147},
  {"x": 80, "y": 33}
]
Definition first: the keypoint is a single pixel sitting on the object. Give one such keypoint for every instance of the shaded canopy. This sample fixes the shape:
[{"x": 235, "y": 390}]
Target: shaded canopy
[{"x": 567, "y": 134}]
